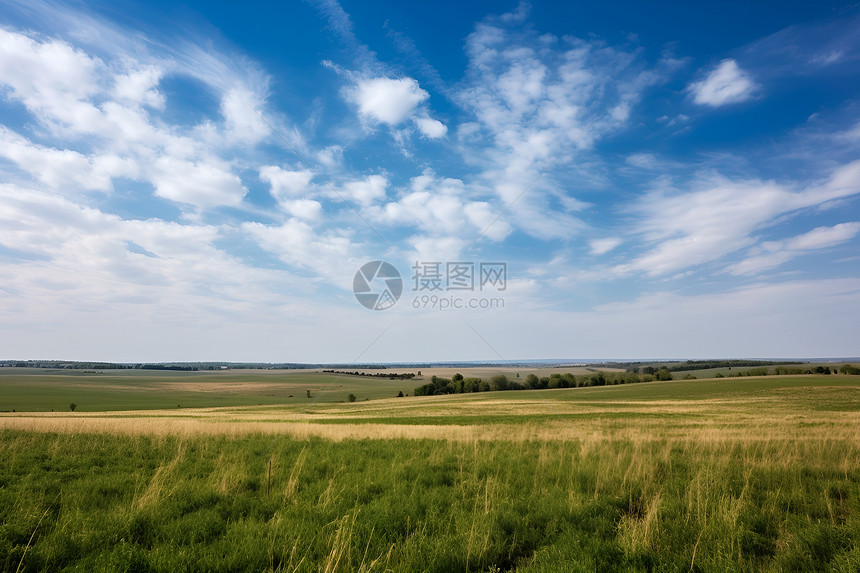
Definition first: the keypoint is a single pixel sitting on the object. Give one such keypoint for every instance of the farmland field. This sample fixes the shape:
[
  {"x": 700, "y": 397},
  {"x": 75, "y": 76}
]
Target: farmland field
[
  {"x": 739, "y": 474},
  {"x": 34, "y": 389}
]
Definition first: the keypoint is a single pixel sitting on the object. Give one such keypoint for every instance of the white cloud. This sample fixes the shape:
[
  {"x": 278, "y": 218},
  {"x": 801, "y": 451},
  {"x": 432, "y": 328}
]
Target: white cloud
[
  {"x": 62, "y": 168},
  {"x": 720, "y": 216},
  {"x": 779, "y": 252},
  {"x": 725, "y": 84},
  {"x": 604, "y": 245},
  {"x": 537, "y": 105},
  {"x": 388, "y": 100},
  {"x": 140, "y": 86},
  {"x": 285, "y": 184},
  {"x": 440, "y": 207},
  {"x": 104, "y": 109},
  {"x": 52, "y": 78},
  {"x": 302, "y": 208},
  {"x": 823, "y": 237},
  {"x": 200, "y": 184},
  {"x": 431, "y": 249},
  {"x": 77, "y": 265},
  {"x": 297, "y": 244},
  {"x": 430, "y": 127},
  {"x": 240, "y": 108},
  {"x": 367, "y": 190},
  {"x": 393, "y": 101}
]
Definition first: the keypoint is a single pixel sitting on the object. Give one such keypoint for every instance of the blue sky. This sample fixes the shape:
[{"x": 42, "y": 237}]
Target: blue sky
[{"x": 202, "y": 181}]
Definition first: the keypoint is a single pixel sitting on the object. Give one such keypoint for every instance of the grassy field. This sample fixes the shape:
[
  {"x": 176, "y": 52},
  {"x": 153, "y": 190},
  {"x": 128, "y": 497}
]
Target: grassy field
[
  {"x": 39, "y": 390},
  {"x": 749, "y": 474}
]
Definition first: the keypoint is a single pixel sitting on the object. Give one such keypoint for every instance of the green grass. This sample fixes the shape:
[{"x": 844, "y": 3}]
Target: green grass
[
  {"x": 44, "y": 390},
  {"x": 36, "y": 390},
  {"x": 749, "y": 474},
  {"x": 108, "y": 503}
]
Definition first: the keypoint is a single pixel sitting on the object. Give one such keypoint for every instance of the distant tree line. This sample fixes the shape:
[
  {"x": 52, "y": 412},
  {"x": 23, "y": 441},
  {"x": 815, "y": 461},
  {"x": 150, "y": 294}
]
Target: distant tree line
[
  {"x": 786, "y": 370},
  {"x": 849, "y": 369},
  {"x": 703, "y": 365},
  {"x": 458, "y": 384},
  {"x": 389, "y": 375},
  {"x": 64, "y": 365}
]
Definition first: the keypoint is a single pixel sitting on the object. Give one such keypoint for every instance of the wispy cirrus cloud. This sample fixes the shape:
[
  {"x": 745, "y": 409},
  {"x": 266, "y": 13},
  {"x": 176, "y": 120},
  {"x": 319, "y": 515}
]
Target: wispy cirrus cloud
[
  {"x": 771, "y": 254},
  {"x": 720, "y": 216},
  {"x": 538, "y": 103}
]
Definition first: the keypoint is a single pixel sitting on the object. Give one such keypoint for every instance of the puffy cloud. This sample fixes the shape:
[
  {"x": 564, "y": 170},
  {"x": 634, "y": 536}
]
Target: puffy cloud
[
  {"x": 57, "y": 168},
  {"x": 430, "y": 127},
  {"x": 724, "y": 85},
  {"x": 200, "y": 184},
  {"x": 440, "y": 207},
  {"x": 240, "y": 108},
  {"x": 393, "y": 101},
  {"x": 388, "y": 100},
  {"x": 367, "y": 190},
  {"x": 52, "y": 78},
  {"x": 140, "y": 86},
  {"x": 433, "y": 249},
  {"x": 99, "y": 114},
  {"x": 302, "y": 208},
  {"x": 286, "y": 184},
  {"x": 108, "y": 266},
  {"x": 298, "y": 244}
]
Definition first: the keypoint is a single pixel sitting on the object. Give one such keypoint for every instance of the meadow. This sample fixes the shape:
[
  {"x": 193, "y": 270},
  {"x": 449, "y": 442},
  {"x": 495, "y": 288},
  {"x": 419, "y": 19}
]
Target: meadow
[
  {"x": 34, "y": 389},
  {"x": 735, "y": 474}
]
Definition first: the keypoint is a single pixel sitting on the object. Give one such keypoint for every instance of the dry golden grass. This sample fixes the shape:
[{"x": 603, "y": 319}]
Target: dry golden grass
[{"x": 711, "y": 422}]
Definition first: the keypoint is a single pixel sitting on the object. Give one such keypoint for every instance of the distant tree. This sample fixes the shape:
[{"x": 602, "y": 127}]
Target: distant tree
[
  {"x": 400, "y": 394},
  {"x": 351, "y": 398},
  {"x": 72, "y": 407},
  {"x": 532, "y": 381},
  {"x": 419, "y": 373},
  {"x": 472, "y": 385},
  {"x": 499, "y": 382},
  {"x": 648, "y": 370},
  {"x": 849, "y": 369},
  {"x": 309, "y": 393},
  {"x": 663, "y": 374},
  {"x": 457, "y": 377}
]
